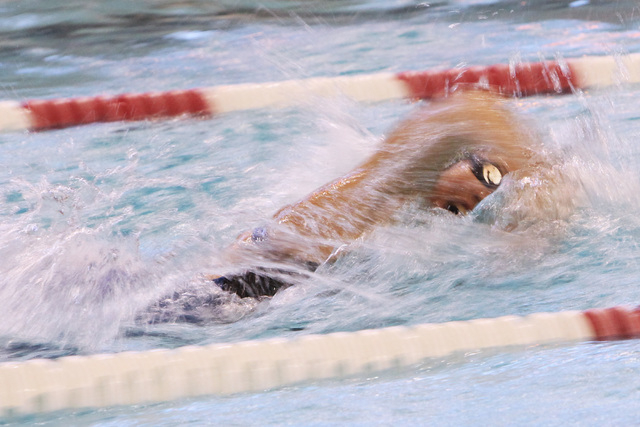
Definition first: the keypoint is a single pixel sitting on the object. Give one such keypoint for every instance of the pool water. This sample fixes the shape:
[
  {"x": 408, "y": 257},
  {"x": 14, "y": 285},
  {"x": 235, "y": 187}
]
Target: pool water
[{"x": 99, "y": 221}]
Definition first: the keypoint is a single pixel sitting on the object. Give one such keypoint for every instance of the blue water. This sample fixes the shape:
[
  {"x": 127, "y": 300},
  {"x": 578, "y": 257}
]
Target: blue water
[{"x": 99, "y": 221}]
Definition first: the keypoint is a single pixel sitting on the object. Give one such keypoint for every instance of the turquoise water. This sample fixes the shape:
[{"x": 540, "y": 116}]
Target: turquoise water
[{"x": 99, "y": 221}]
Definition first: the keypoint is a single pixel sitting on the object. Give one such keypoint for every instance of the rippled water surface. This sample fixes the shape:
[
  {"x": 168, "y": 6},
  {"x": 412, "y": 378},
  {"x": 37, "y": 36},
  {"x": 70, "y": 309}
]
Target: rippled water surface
[{"x": 99, "y": 221}]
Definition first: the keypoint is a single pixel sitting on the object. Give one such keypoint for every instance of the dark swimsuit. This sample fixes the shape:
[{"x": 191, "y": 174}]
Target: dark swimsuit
[
  {"x": 251, "y": 284},
  {"x": 260, "y": 282}
]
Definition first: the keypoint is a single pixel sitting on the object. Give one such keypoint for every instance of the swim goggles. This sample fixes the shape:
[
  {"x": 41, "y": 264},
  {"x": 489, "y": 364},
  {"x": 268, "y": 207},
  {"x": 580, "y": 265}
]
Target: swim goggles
[{"x": 486, "y": 172}]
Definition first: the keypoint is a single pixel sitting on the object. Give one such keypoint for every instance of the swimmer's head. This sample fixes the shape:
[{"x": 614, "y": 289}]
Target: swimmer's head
[
  {"x": 456, "y": 152},
  {"x": 466, "y": 183}
]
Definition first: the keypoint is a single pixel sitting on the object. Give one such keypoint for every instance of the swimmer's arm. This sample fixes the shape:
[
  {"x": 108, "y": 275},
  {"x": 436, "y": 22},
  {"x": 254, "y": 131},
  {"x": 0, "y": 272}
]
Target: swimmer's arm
[
  {"x": 406, "y": 166},
  {"x": 409, "y": 163}
]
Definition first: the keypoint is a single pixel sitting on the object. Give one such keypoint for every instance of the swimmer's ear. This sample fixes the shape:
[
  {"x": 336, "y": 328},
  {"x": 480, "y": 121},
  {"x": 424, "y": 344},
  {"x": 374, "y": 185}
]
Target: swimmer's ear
[{"x": 487, "y": 173}]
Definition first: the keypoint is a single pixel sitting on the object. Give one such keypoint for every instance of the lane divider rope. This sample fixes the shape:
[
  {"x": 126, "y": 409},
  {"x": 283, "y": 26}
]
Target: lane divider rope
[
  {"x": 129, "y": 378},
  {"x": 521, "y": 79}
]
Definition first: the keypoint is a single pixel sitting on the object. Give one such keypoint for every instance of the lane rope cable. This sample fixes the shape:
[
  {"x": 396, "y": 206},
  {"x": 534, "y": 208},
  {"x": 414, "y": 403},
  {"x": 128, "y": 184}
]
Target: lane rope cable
[
  {"x": 517, "y": 79},
  {"x": 128, "y": 378}
]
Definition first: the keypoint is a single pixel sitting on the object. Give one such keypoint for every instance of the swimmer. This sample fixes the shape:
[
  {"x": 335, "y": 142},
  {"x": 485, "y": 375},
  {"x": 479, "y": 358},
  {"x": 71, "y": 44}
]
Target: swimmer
[{"x": 449, "y": 155}]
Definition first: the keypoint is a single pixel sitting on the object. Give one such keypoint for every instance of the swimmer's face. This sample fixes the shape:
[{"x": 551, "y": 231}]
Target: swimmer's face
[{"x": 462, "y": 186}]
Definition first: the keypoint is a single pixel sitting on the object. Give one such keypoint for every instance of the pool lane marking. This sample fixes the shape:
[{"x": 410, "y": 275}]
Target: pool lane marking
[
  {"x": 522, "y": 79},
  {"x": 525, "y": 79},
  {"x": 61, "y": 113},
  {"x": 130, "y": 378},
  {"x": 614, "y": 323}
]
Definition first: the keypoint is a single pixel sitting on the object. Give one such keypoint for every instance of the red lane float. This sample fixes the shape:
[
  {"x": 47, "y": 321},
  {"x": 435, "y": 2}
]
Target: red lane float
[
  {"x": 614, "y": 323},
  {"x": 49, "y": 114},
  {"x": 511, "y": 80}
]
